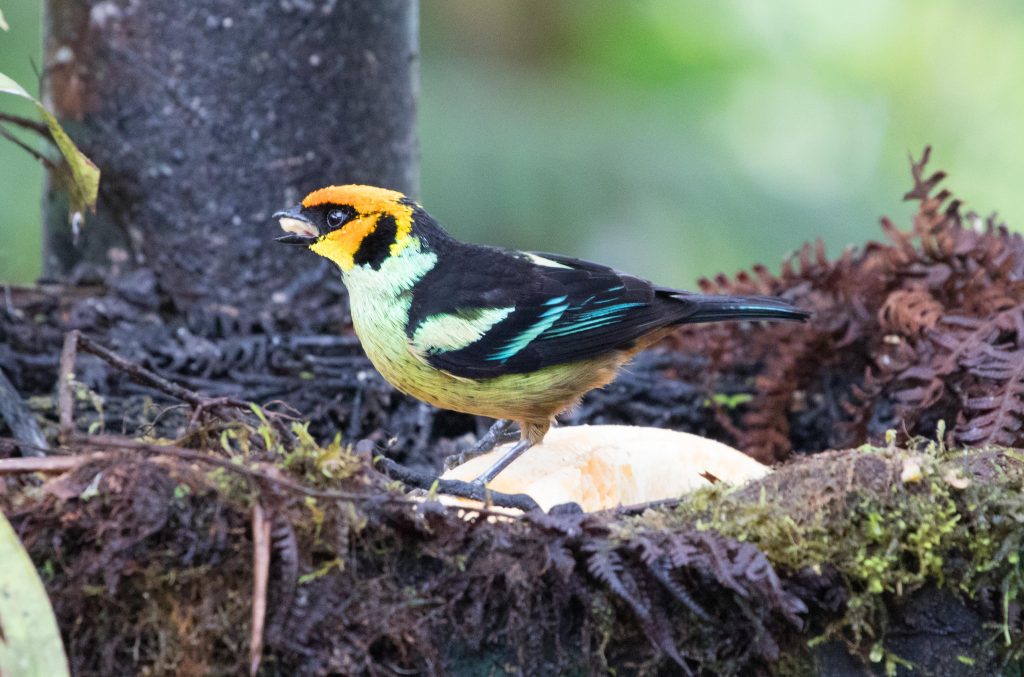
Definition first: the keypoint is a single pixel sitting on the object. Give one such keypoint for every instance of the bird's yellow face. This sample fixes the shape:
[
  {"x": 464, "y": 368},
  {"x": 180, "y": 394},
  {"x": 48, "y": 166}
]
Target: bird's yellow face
[{"x": 352, "y": 225}]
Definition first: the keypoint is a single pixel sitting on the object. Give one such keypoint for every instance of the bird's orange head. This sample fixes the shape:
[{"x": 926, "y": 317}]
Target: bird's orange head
[{"x": 352, "y": 225}]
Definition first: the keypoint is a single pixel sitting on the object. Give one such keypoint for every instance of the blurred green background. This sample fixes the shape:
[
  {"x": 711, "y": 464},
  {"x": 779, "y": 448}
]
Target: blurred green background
[{"x": 674, "y": 138}]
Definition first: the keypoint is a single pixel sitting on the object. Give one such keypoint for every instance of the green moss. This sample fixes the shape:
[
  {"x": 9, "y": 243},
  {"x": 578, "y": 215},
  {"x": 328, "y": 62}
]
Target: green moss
[
  {"x": 887, "y": 522},
  {"x": 231, "y": 486},
  {"x": 318, "y": 464}
]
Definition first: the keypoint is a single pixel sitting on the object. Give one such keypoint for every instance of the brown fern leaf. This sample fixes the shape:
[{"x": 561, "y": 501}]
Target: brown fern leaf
[
  {"x": 560, "y": 557},
  {"x": 909, "y": 312},
  {"x": 859, "y": 404},
  {"x": 997, "y": 416},
  {"x": 923, "y": 185},
  {"x": 958, "y": 336},
  {"x": 766, "y": 434},
  {"x": 663, "y": 574},
  {"x": 901, "y": 378},
  {"x": 894, "y": 340},
  {"x": 658, "y": 625},
  {"x": 744, "y": 569},
  {"x": 607, "y": 566},
  {"x": 904, "y": 248}
]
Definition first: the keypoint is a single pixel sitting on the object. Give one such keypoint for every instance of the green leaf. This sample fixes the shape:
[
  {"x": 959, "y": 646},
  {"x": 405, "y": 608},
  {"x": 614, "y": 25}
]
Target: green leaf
[
  {"x": 731, "y": 401},
  {"x": 30, "y": 642},
  {"x": 11, "y": 87},
  {"x": 82, "y": 181}
]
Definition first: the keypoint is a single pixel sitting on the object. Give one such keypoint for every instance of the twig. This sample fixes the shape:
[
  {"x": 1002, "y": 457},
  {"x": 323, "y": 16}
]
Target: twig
[
  {"x": 292, "y": 415},
  {"x": 209, "y": 405},
  {"x": 394, "y": 470},
  {"x": 28, "y": 123},
  {"x": 108, "y": 441},
  {"x": 11, "y": 466},
  {"x": 639, "y": 508},
  {"x": 423, "y": 480},
  {"x": 20, "y": 420},
  {"x": 260, "y": 576},
  {"x": 50, "y": 464},
  {"x": 65, "y": 400},
  {"x": 75, "y": 341},
  {"x": 150, "y": 378},
  {"x": 47, "y": 162}
]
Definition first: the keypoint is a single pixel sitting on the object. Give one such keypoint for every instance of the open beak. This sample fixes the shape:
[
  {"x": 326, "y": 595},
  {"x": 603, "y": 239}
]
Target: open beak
[{"x": 299, "y": 228}]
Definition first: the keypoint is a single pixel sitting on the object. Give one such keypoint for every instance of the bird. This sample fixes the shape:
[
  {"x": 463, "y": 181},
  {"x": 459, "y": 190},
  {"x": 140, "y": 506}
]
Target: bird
[{"x": 511, "y": 335}]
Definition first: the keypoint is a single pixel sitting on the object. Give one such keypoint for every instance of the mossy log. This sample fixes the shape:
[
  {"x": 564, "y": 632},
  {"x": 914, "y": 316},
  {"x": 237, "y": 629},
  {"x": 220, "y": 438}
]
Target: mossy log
[{"x": 885, "y": 558}]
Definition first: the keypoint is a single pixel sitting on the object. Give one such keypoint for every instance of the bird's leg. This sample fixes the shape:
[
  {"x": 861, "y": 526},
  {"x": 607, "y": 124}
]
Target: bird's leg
[
  {"x": 512, "y": 454},
  {"x": 499, "y": 433},
  {"x": 533, "y": 432}
]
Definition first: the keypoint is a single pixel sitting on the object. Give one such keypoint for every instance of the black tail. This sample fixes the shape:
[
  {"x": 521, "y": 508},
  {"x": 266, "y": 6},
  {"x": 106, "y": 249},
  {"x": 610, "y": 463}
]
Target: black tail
[{"x": 712, "y": 308}]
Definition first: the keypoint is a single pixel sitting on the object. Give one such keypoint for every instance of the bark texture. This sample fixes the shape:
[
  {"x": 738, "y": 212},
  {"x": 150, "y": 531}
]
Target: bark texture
[{"x": 206, "y": 117}]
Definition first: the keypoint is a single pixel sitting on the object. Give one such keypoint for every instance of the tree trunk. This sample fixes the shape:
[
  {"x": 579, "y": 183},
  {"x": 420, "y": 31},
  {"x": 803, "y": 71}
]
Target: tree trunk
[{"x": 205, "y": 117}]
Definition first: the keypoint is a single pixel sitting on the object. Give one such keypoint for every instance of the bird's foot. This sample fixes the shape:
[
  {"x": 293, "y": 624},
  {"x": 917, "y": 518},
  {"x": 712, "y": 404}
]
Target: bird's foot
[{"x": 501, "y": 432}]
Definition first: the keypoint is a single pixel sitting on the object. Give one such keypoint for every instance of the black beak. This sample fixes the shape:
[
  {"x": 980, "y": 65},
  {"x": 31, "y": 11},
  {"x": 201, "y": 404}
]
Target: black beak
[{"x": 300, "y": 229}]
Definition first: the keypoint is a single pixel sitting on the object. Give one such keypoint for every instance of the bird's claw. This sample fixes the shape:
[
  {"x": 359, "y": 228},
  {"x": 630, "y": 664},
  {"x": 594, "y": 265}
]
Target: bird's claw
[
  {"x": 454, "y": 461},
  {"x": 501, "y": 432}
]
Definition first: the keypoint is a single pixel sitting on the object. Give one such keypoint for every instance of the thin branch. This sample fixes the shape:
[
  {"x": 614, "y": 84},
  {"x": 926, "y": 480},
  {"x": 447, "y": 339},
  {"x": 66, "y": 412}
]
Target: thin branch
[
  {"x": 260, "y": 576},
  {"x": 47, "y": 162},
  {"x": 109, "y": 441},
  {"x": 65, "y": 399},
  {"x": 639, "y": 508},
  {"x": 477, "y": 492},
  {"x": 29, "y": 124},
  {"x": 153, "y": 379},
  {"x": 75, "y": 341},
  {"x": 496, "y": 498},
  {"x": 47, "y": 464},
  {"x": 393, "y": 470},
  {"x": 210, "y": 404}
]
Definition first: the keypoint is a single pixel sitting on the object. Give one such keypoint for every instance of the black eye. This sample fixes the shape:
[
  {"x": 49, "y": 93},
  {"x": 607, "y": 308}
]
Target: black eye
[{"x": 335, "y": 218}]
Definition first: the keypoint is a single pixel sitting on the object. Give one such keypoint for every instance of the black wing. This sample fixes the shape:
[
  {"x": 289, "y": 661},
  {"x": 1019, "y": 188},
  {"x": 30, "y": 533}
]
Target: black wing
[{"x": 559, "y": 310}]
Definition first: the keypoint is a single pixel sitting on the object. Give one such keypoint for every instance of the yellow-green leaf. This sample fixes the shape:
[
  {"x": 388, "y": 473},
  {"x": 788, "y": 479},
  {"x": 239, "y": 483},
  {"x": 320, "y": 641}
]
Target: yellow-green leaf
[
  {"x": 30, "y": 642},
  {"x": 83, "y": 180},
  {"x": 85, "y": 176}
]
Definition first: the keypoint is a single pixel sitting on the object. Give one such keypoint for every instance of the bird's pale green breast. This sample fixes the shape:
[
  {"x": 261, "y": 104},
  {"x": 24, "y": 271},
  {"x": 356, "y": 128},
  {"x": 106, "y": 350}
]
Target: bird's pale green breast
[{"x": 380, "y": 301}]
